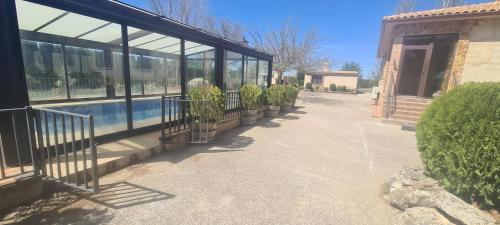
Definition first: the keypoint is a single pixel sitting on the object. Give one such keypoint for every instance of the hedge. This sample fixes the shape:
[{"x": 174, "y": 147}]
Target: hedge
[{"x": 458, "y": 137}]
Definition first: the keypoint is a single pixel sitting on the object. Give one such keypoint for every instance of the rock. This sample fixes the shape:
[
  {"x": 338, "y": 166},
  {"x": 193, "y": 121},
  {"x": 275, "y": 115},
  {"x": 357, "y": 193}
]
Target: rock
[
  {"x": 413, "y": 173},
  {"x": 420, "y": 216},
  {"x": 399, "y": 198},
  {"x": 407, "y": 197},
  {"x": 419, "y": 198},
  {"x": 427, "y": 184},
  {"x": 395, "y": 185},
  {"x": 459, "y": 211}
]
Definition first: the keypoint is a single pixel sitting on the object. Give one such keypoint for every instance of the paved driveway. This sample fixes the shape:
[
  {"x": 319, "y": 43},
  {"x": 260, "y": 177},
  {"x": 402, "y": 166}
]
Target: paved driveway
[{"x": 325, "y": 163}]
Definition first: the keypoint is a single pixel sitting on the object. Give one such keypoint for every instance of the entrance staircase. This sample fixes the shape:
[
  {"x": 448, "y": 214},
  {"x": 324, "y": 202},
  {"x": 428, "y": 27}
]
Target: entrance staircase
[{"x": 408, "y": 110}]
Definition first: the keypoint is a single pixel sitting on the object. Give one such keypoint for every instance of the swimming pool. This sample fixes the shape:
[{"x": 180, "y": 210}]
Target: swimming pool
[{"x": 111, "y": 115}]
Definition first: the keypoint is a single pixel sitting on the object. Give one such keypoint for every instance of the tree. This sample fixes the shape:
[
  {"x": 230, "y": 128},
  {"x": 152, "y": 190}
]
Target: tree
[
  {"x": 405, "y": 6},
  {"x": 451, "y": 3},
  {"x": 196, "y": 13},
  {"x": 292, "y": 49},
  {"x": 352, "y": 66},
  {"x": 231, "y": 30}
]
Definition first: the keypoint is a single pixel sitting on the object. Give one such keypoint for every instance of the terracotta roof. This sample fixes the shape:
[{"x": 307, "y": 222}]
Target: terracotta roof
[{"x": 491, "y": 7}]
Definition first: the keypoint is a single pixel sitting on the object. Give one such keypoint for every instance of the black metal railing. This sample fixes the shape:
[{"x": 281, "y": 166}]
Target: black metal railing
[
  {"x": 57, "y": 143},
  {"x": 232, "y": 105},
  {"x": 173, "y": 115},
  {"x": 179, "y": 114},
  {"x": 390, "y": 99},
  {"x": 17, "y": 157}
]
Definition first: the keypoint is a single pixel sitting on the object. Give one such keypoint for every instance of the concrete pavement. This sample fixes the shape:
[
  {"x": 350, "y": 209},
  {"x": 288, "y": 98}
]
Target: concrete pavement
[{"x": 324, "y": 163}]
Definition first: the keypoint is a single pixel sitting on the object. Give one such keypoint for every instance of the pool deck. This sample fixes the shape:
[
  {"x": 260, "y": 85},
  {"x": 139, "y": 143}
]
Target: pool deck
[{"x": 113, "y": 156}]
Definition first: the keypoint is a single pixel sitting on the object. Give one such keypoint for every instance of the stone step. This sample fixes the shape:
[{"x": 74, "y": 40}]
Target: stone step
[
  {"x": 410, "y": 108},
  {"x": 407, "y": 113},
  {"x": 414, "y": 99},
  {"x": 412, "y": 104}
]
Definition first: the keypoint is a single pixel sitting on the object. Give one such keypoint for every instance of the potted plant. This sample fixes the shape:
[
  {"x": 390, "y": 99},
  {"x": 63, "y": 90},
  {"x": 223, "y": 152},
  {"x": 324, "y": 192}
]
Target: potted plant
[
  {"x": 262, "y": 104},
  {"x": 250, "y": 96},
  {"x": 206, "y": 108},
  {"x": 274, "y": 97},
  {"x": 289, "y": 96}
]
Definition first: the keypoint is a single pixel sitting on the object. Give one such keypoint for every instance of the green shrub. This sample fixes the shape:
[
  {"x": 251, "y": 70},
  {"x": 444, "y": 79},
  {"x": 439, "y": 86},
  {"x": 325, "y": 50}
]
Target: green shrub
[
  {"x": 333, "y": 87},
  {"x": 250, "y": 96},
  {"x": 459, "y": 140},
  {"x": 309, "y": 86},
  {"x": 214, "y": 108},
  {"x": 275, "y": 95},
  {"x": 290, "y": 92},
  {"x": 263, "y": 98},
  {"x": 342, "y": 88}
]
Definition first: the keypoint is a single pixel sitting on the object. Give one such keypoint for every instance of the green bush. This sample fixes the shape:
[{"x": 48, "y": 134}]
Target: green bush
[
  {"x": 214, "y": 108},
  {"x": 290, "y": 92},
  {"x": 342, "y": 88},
  {"x": 309, "y": 86},
  {"x": 275, "y": 95},
  {"x": 459, "y": 140},
  {"x": 250, "y": 96},
  {"x": 263, "y": 98},
  {"x": 333, "y": 87}
]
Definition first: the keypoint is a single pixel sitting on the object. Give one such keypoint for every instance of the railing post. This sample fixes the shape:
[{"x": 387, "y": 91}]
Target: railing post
[
  {"x": 32, "y": 142},
  {"x": 93, "y": 148},
  {"x": 162, "y": 118}
]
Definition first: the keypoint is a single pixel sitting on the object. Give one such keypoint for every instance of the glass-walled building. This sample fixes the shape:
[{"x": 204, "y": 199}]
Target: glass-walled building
[{"x": 115, "y": 61}]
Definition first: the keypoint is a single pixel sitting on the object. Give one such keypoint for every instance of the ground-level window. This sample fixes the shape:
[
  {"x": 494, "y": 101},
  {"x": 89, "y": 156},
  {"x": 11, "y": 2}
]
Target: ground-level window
[
  {"x": 200, "y": 64},
  {"x": 154, "y": 71},
  {"x": 233, "y": 70},
  {"x": 250, "y": 70},
  {"x": 70, "y": 56},
  {"x": 263, "y": 73}
]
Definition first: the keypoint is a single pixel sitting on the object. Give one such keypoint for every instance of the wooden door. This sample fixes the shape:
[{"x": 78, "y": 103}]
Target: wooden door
[{"x": 414, "y": 69}]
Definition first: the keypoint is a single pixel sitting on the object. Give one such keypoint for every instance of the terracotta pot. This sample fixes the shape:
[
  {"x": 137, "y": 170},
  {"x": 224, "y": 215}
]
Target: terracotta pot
[
  {"x": 248, "y": 117},
  {"x": 204, "y": 132},
  {"x": 271, "y": 111}
]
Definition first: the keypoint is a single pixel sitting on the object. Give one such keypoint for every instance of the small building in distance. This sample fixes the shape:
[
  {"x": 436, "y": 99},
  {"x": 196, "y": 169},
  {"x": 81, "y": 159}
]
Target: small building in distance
[{"x": 323, "y": 80}]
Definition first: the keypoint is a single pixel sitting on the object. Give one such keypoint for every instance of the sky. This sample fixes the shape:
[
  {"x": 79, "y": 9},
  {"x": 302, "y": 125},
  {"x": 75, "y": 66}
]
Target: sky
[{"x": 349, "y": 30}]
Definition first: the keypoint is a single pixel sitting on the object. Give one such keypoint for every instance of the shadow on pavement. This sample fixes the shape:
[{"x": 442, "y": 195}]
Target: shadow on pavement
[
  {"x": 124, "y": 194},
  {"x": 56, "y": 209}
]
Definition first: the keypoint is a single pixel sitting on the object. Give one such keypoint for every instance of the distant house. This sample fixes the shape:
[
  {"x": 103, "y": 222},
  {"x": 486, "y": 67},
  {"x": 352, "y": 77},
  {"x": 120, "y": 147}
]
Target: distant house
[
  {"x": 349, "y": 79},
  {"x": 427, "y": 52}
]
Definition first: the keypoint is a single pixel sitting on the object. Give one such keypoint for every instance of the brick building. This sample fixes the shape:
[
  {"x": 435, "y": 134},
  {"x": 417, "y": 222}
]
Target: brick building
[{"x": 428, "y": 52}]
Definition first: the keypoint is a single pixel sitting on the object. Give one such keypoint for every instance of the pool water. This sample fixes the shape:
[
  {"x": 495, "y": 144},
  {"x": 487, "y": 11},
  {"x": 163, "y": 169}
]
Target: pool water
[{"x": 112, "y": 116}]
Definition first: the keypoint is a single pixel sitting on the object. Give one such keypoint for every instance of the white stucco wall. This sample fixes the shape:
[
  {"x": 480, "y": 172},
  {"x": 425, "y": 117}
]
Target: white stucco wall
[
  {"x": 482, "y": 62},
  {"x": 350, "y": 82}
]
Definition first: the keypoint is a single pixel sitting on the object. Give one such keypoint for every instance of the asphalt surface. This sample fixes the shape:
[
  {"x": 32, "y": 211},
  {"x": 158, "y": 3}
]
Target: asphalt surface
[{"x": 324, "y": 163}]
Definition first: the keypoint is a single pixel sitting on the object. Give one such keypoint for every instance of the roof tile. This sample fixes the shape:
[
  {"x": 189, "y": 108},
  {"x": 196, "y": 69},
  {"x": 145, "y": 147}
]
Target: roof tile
[{"x": 459, "y": 10}]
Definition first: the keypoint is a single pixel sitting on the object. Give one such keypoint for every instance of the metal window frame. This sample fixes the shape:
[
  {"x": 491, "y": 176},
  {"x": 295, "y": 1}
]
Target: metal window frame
[{"x": 126, "y": 15}]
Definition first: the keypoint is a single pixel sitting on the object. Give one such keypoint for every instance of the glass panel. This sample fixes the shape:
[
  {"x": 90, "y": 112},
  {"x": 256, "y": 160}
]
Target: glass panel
[
  {"x": 44, "y": 68},
  {"x": 85, "y": 72},
  {"x": 263, "y": 73},
  {"x": 67, "y": 55},
  {"x": 154, "y": 71},
  {"x": 250, "y": 70},
  {"x": 31, "y": 16},
  {"x": 146, "y": 111},
  {"x": 200, "y": 64},
  {"x": 65, "y": 25},
  {"x": 233, "y": 70}
]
